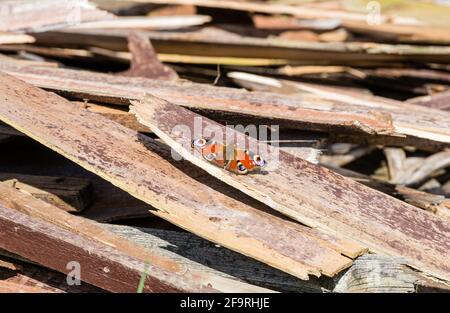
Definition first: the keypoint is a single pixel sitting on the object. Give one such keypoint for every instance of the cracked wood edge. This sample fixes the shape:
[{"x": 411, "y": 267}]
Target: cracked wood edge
[
  {"x": 321, "y": 198},
  {"x": 145, "y": 169}
]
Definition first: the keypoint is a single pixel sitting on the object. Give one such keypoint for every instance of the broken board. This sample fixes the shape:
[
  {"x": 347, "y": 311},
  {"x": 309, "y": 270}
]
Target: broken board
[{"x": 321, "y": 198}]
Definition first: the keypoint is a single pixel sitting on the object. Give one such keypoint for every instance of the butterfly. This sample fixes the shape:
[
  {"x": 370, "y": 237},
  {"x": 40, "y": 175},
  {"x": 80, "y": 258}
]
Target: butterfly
[{"x": 229, "y": 157}]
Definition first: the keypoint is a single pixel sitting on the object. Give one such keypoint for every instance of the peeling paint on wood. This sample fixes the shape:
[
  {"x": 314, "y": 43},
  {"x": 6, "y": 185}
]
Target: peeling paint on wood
[
  {"x": 146, "y": 170},
  {"x": 321, "y": 198}
]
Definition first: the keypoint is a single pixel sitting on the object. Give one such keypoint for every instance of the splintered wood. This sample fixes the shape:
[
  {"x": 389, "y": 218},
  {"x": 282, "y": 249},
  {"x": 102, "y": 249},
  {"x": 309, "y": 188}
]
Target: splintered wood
[
  {"x": 225, "y": 146},
  {"x": 145, "y": 170},
  {"x": 321, "y": 199}
]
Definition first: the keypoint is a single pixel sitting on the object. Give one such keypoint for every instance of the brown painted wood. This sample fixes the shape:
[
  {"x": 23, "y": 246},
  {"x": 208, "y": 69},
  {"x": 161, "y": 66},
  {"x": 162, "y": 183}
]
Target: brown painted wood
[
  {"x": 288, "y": 111},
  {"x": 107, "y": 261},
  {"x": 181, "y": 193},
  {"x": 430, "y": 126},
  {"x": 144, "y": 61},
  {"x": 55, "y": 248},
  {"x": 210, "y": 41},
  {"x": 320, "y": 199},
  {"x": 23, "y": 273}
]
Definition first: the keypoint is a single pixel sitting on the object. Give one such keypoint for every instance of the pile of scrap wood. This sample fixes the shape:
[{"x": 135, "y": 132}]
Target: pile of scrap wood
[{"x": 103, "y": 190}]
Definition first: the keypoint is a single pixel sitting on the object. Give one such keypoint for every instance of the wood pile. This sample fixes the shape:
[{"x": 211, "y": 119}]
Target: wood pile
[{"x": 102, "y": 188}]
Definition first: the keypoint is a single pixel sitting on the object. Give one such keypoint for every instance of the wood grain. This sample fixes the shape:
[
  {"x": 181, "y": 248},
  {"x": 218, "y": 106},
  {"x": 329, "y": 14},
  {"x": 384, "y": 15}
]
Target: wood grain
[
  {"x": 146, "y": 170},
  {"x": 320, "y": 199},
  {"x": 171, "y": 274},
  {"x": 286, "y": 111}
]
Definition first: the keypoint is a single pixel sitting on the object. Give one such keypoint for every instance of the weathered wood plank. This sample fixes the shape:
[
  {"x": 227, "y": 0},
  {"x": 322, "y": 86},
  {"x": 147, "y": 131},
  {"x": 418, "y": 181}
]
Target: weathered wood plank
[
  {"x": 16, "y": 287},
  {"x": 437, "y": 204},
  {"x": 288, "y": 111},
  {"x": 118, "y": 114},
  {"x": 216, "y": 42},
  {"x": 204, "y": 256},
  {"x": 47, "y": 222},
  {"x": 55, "y": 248},
  {"x": 380, "y": 274},
  {"x": 146, "y": 170},
  {"x": 23, "y": 273},
  {"x": 268, "y": 8},
  {"x": 321, "y": 198},
  {"x": 67, "y": 193},
  {"x": 144, "y": 61},
  {"x": 425, "y": 124},
  {"x": 45, "y": 14}
]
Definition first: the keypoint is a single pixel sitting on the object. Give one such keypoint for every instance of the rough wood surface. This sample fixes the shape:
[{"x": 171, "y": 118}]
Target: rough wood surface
[
  {"x": 24, "y": 274},
  {"x": 437, "y": 204},
  {"x": 427, "y": 125},
  {"x": 54, "y": 247},
  {"x": 210, "y": 41},
  {"x": 67, "y": 193},
  {"x": 147, "y": 171},
  {"x": 288, "y": 111},
  {"x": 14, "y": 287},
  {"x": 45, "y": 14},
  {"x": 321, "y": 199},
  {"x": 118, "y": 114},
  {"x": 144, "y": 61},
  {"x": 204, "y": 256},
  {"x": 380, "y": 274},
  {"x": 439, "y": 100},
  {"x": 168, "y": 272}
]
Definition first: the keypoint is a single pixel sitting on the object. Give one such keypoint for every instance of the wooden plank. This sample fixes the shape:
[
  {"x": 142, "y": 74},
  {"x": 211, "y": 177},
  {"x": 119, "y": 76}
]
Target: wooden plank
[
  {"x": 144, "y": 61},
  {"x": 142, "y": 22},
  {"x": 287, "y": 111},
  {"x": 401, "y": 33},
  {"x": 53, "y": 226},
  {"x": 14, "y": 287},
  {"x": 392, "y": 275},
  {"x": 437, "y": 204},
  {"x": 118, "y": 114},
  {"x": 24, "y": 274},
  {"x": 217, "y": 42},
  {"x": 205, "y": 256},
  {"x": 439, "y": 101},
  {"x": 146, "y": 170},
  {"x": 70, "y": 194},
  {"x": 307, "y": 12},
  {"x": 55, "y": 248},
  {"x": 13, "y": 38},
  {"x": 321, "y": 199},
  {"x": 373, "y": 273},
  {"x": 425, "y": 123},
  {"x": 37, "y": 16}
]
